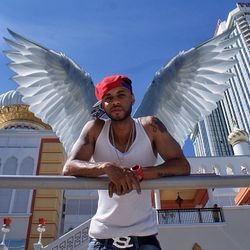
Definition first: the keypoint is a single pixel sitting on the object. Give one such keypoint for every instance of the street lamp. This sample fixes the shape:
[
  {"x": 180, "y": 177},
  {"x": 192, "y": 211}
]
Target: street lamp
[
  {"x": 41, "y": 229},
  {"x": 5, "y": 229}
]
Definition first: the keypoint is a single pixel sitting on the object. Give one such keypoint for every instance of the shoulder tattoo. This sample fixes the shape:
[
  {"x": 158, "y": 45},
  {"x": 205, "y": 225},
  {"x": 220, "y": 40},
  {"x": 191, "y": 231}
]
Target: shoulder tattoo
[
  {"x": 85, "y": 138},
  {"x": 158, "y": 125}
]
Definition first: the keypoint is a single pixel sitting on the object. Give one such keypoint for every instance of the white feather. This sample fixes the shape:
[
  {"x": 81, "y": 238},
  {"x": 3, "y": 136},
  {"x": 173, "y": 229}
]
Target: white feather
[
  {"x": 57, "y": 89},
  {"x": 186, "y": 89}
]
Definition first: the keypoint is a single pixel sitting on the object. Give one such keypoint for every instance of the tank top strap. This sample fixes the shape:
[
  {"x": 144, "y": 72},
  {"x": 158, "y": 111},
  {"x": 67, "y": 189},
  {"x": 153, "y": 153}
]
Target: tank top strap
[
  {"x": 140, "y": 131},
  {"x": 105, "y": 129}
]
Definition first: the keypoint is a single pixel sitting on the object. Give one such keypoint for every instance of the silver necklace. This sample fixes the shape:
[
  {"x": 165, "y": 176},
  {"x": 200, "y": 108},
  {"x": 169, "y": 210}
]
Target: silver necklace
[{"x": 130, "y": 140}]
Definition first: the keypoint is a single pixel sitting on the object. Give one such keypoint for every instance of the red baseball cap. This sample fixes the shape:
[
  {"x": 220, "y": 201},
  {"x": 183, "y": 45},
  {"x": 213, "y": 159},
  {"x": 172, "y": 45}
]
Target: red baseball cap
[{"x": 110, "y": 82}]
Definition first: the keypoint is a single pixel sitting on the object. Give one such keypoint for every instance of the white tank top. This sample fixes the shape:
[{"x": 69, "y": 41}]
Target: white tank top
[{"x": 130, "y": 214}]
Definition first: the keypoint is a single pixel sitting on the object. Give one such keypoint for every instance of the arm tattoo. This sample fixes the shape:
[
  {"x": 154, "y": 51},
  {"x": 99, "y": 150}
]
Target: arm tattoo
[{"x": 157, "y": 124}]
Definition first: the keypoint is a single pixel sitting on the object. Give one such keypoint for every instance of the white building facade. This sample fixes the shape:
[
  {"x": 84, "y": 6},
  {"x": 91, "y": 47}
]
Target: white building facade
[{"x": 19, "y": 150}]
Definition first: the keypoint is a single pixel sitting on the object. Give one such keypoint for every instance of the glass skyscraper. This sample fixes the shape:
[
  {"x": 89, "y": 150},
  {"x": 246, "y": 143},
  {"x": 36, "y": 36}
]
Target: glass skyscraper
[{"x": 210, "y": 136}]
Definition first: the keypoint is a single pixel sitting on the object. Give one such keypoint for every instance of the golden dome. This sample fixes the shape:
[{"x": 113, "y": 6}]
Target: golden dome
[{"x": 15, "y": 114}]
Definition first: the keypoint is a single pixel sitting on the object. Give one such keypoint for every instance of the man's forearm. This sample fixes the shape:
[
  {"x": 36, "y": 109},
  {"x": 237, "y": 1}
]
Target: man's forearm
[
  {"x": 123, "y": 179},
  {"x": 83, "y": 168},
  {"x": 169, "y": 168}
]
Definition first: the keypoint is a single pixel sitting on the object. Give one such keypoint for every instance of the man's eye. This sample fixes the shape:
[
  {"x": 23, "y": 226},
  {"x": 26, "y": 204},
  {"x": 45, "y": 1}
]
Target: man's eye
[{"x": 108, "y": 99}]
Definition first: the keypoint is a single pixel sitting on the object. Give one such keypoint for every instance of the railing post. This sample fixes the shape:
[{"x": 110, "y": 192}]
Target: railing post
[
  {"x": 157, "y": 201},
  {"x": 179, "y": 216},
  {"x": 38, "y": 246},
  {"x": 3, "y": 247},
  {"x": 222, "y": 215},
  {"x": 200, "y": 216}
]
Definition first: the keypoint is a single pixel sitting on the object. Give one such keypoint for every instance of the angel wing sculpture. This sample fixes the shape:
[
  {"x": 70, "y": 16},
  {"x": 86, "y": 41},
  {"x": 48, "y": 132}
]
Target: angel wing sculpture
[{"x": 182, "y": 92}]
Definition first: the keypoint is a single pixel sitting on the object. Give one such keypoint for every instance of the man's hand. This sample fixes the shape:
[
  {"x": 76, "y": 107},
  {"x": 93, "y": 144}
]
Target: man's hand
[{"x": 122, "y": 180}]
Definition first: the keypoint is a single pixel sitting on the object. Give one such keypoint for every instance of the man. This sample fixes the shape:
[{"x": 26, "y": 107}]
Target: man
[{"x": 125, "y": 150}]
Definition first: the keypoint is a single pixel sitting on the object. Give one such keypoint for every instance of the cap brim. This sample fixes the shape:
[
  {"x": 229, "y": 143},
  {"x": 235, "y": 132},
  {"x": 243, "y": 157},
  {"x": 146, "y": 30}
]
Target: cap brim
[
  {"x": 97, "y": 104},
  {"x": 97, "y": 110}
]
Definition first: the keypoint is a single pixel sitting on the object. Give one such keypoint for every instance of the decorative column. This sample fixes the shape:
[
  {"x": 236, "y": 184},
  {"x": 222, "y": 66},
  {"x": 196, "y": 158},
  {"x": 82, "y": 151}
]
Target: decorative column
[{"x": 239, "y": 139}]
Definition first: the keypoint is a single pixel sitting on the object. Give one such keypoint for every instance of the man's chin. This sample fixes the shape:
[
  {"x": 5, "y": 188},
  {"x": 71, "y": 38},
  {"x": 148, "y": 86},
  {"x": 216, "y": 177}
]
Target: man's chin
[{"x": 118, "y": 117}]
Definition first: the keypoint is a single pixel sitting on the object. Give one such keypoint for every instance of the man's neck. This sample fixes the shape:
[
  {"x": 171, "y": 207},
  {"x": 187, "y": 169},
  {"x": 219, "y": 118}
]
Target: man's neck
[{"x": 122, "y": 129}]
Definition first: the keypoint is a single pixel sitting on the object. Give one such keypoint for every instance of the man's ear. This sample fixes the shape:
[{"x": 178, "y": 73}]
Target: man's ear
[
  {"x": 101, "y": 105},
  {"x": 133, "y": 99}
]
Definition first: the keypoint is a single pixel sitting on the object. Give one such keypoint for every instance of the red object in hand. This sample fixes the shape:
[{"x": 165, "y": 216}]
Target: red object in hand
[
  {"x": 7, "y": 221},
  {"x": 138, "y": 170},
  {"x": 42, "y": 221}
]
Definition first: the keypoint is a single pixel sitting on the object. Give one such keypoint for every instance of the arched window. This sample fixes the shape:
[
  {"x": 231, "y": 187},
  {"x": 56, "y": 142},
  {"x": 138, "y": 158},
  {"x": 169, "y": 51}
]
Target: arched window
[
  {"x": 27, "y": 166},
  {"x": 9, "y": 168},
  {"x": 21, "y": 202},
  {"x": 229, "y": 170}
]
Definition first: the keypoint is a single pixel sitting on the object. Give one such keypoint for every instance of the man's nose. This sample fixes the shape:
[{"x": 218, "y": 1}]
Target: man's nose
[{"x": 115, "y": 101}]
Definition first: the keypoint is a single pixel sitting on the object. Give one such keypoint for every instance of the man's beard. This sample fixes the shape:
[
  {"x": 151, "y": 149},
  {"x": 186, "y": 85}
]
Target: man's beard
[{"x": 125, "y": 116}]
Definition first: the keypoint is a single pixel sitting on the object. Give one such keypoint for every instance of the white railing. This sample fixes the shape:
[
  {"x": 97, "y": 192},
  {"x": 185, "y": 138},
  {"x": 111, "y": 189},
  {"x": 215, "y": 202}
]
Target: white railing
[
  {"x": 76, "y": 239},
  {"x": 220, "y": 164},
  {"x": 71, "y": 182}
]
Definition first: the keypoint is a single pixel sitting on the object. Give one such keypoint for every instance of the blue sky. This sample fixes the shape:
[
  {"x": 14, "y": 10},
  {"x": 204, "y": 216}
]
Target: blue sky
[{"x": 131, "y": 37}]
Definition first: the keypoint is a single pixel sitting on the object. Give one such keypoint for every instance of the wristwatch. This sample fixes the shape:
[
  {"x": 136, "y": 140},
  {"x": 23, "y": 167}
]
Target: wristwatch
[{"x": 138, "y": 170}]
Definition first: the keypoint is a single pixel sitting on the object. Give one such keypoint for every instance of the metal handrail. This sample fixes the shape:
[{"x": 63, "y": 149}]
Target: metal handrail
[
  {"x": 71, "y": 182},
  {"x": 190, "y": 215}
]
